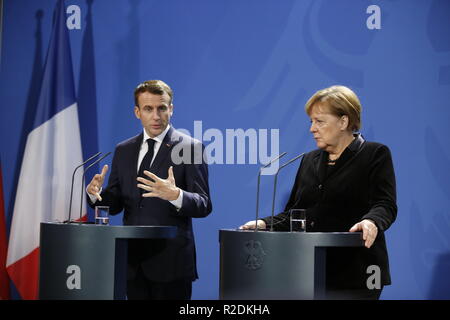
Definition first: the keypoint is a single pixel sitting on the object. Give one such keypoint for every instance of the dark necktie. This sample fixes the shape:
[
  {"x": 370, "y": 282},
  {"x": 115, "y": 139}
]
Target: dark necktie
[{"x": 145, "y": 164}]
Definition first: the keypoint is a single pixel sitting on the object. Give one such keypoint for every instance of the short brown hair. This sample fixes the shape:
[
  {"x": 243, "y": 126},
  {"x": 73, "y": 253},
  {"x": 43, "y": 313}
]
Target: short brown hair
[
  {"x": 341, "y": 101},
  {"x": 152, "y": 86}
]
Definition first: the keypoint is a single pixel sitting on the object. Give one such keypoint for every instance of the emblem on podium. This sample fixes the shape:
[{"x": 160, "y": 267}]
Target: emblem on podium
[{"x": 255, "y": 254}]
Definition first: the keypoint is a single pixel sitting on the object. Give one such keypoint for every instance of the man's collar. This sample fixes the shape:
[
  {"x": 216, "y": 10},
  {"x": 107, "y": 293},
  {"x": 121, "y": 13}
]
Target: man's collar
[{"x": 158, "y": 138}]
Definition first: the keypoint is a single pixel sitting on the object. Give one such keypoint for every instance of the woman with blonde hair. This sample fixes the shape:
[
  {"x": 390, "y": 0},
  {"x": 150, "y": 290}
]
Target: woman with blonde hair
[{"x": 347, "y": 184}]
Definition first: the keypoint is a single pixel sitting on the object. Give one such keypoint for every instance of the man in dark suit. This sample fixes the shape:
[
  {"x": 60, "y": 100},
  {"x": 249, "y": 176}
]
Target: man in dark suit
[{"x": 158, "y": 177}]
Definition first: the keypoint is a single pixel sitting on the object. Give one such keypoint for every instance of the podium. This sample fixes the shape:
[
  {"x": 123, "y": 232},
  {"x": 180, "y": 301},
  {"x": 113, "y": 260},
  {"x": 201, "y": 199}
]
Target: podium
[
  {"x": 87, "y": 261},
  {"x": 265, "y": 265}
]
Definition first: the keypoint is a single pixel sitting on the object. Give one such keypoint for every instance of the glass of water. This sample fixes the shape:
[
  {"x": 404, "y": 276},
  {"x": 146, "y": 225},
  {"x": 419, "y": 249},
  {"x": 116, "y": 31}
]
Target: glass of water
[
  {"x": 102, "y": 215},
  {"x": 298, "y": 220}
]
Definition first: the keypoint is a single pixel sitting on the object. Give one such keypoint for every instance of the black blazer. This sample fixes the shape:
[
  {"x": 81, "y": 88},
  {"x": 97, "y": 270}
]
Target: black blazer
[
  {"x": 360, "y": 186},
  {"x": 161, "y": 260}
]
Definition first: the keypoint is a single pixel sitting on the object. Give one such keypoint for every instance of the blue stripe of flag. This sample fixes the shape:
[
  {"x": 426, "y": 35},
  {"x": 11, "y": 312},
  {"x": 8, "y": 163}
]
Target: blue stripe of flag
[{"x": 57, "y": 87}]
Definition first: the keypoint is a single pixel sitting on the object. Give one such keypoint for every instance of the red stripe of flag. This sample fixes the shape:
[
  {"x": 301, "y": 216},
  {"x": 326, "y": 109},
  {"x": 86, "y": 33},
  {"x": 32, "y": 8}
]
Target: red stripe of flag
[{"x": 4, "y": 279}]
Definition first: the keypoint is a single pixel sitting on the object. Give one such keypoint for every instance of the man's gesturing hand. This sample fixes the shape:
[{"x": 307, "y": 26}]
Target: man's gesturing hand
[
  {"x": 162, "y": 188},
  {"x": 97, "y": 182}
]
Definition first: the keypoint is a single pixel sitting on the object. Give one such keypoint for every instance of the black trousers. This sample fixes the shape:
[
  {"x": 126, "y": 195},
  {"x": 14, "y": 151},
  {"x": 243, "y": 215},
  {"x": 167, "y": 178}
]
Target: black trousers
[{"x": 140, "y": 288}]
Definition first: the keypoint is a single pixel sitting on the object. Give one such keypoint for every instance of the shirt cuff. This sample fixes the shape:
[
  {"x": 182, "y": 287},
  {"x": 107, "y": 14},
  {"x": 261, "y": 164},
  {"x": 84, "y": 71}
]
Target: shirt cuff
[
  {"x": 179, "y": 201},
  {"x": 92, "y": 197}
]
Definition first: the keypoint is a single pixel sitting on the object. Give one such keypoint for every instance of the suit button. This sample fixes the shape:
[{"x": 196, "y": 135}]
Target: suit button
[{"x": 320, "y": 187}]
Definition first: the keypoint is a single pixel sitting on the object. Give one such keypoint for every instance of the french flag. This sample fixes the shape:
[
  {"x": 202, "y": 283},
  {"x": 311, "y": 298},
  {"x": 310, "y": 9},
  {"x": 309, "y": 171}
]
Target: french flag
[{"x": 52, "y": 151}]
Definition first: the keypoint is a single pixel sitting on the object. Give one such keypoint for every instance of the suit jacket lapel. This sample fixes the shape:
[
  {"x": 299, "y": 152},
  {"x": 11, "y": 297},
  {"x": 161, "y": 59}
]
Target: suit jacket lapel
[
  {"x": 163, "y": 152},
  {"x": 354, "y": 148},
  {"x": 133, "y": 165}
]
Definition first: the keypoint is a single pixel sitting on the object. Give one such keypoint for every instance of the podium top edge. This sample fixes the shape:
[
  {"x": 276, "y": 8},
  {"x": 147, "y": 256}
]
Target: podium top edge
[
  {"x": 289, "y": 232},
  {"x": 107, "y": 226},
  {"x": 318, "y": 239},
  {"x": 118, "y": 232}
]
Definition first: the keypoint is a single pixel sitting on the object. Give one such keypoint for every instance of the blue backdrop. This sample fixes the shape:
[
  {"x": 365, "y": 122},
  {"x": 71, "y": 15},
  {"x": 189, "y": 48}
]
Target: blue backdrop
[{"x": 252, "y": 64}]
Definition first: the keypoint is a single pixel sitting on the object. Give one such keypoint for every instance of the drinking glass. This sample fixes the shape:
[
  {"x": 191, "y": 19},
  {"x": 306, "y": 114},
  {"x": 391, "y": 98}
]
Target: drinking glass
[
  {"x": 298, "y": 220},
  {"x": 102, "y": 215}
]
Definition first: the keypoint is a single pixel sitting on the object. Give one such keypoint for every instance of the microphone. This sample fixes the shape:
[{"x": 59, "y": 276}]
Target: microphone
[
  {"x": 259, "y": 182},
  {"x": 82, "y": 179},
  {"x": 73, "y": 178},
  {"x": 275, "y": 185}
]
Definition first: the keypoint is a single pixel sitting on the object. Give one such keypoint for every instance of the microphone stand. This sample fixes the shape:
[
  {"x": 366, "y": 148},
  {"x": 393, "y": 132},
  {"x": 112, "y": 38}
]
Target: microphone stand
[
  {"x": 73, "y": 179},
  {"x": 82, "y": 179},
  {"x": 275, "y": 185},
  {"x": 258, "y": 184}
]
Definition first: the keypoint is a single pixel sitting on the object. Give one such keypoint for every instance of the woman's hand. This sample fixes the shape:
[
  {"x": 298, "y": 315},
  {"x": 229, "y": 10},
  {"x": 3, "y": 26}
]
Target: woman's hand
[
  {"x": 252, "y": 225},
  {"x": 369, "y": 230}
]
